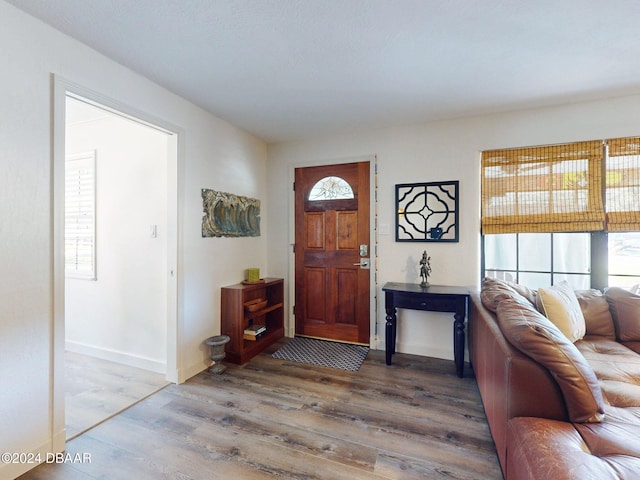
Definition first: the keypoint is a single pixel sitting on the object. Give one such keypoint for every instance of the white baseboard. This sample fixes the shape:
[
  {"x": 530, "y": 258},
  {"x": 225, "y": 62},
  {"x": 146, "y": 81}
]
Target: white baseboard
[
  {"x": 11, "y": 470},
  {"x": 434, "y": 351},
  {"x": 59, "y": 441},
  {"x": 185, "y": 374},
  {"x": 125, "y": 358}
]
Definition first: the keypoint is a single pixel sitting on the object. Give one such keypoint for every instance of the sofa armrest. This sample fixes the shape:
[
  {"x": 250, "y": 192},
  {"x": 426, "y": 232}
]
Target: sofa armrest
[{"x": 511, "y": 384}]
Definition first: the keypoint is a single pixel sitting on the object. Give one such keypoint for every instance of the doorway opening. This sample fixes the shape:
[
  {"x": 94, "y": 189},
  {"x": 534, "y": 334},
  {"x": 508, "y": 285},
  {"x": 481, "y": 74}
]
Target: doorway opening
[
  {"x": 335, "y": 252},
  {"x": 115, "y": 259}
]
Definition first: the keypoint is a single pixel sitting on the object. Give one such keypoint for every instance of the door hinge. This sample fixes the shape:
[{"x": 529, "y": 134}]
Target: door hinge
[{"x": 294, "y": 186}]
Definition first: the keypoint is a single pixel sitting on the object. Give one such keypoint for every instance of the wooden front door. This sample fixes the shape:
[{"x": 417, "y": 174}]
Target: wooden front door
[{"x": 332, "y": 240}]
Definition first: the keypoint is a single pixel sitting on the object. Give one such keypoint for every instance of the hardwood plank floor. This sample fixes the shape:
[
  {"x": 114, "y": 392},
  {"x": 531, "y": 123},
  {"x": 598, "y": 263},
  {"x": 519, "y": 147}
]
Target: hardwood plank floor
[
  {"x": 272, "y": 419},
  {"x": 97, "y": 389}
]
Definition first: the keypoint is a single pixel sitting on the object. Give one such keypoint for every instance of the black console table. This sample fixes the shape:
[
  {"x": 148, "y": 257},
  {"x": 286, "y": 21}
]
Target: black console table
[{"x": 433, "y": 298}]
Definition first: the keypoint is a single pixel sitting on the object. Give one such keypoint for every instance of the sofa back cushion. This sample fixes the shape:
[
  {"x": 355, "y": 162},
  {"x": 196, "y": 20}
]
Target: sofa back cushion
[
  {"x": 597, "y": 316},
  {"x": 534, "y": 335},
  {"x": 494, "y": 291},
  {"x": 625, "y": 310},
  {"x": 560, "y": 305}
]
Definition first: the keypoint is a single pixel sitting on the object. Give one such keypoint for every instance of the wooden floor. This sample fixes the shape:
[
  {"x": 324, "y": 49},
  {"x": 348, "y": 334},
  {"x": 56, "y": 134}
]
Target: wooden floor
[
  {"x": 273, "y": 419},
  {"x": 97, "y": 389}
]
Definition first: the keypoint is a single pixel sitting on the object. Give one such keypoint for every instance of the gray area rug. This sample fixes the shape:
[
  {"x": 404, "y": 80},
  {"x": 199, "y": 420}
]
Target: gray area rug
[{"x": 324, "y": 353}]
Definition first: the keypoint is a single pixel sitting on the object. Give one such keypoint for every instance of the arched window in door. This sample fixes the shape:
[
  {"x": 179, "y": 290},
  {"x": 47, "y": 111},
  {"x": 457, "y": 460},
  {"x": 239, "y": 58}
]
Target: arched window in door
[{"x": 331, "y": 188}]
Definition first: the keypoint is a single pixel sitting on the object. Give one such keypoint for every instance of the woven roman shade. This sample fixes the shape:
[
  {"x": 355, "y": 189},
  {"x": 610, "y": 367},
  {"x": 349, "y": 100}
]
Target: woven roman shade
[
  {"x": 622, "y": 192},
  {"x": 555, "y": 188}
]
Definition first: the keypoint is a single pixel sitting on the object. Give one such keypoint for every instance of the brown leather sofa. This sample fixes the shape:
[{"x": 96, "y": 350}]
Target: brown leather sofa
[{"x": 559, "y": 409}]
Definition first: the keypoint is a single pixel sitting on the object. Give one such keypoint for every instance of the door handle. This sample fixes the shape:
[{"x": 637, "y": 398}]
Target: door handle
[{"x": 364, "y": 263}]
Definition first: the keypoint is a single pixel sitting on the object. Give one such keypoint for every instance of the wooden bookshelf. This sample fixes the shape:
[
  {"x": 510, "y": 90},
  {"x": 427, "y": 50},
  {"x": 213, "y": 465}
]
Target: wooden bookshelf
[{"x": 235, "y": 317}]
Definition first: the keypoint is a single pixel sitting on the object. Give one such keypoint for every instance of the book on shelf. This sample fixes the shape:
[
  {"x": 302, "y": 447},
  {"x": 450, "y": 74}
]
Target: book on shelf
[
  {"x": 255, "y": 329},
  {"x": 253, "y": 338}
]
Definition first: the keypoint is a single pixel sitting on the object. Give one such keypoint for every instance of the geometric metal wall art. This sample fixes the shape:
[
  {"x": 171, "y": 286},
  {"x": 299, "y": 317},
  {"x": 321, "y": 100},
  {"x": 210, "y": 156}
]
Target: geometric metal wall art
[
  {"x": 427, "y": 212},
  {"x": 229, "y": 215}
]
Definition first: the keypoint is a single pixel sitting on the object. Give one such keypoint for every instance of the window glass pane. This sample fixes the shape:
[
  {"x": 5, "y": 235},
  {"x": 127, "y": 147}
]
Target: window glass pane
[
  {"x": 624, "y": 259},
  {"x": 571, "y": 252},
  {"x": 500, "y": 252},
  {"x": 535, "y": 280},
  {"x": 535, "y": 251},
  {"x": 629, "y": 283},
  {"x": 331, "y": 188},
  {"x": 577, "y": 282},
  {"x": 502, "y": 275}
]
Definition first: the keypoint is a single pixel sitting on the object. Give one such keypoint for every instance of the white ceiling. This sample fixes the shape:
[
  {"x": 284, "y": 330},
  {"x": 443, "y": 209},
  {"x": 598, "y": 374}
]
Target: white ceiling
[{"x": 289, "y": 69}]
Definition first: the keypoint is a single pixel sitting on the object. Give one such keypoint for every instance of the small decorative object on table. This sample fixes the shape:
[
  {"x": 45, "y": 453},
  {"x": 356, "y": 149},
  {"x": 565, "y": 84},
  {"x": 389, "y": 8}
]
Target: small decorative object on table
[
  {"x": 425, "y": 269},
  {"x": 217, "y": 344},
  {"x": 253, "y": 274}
]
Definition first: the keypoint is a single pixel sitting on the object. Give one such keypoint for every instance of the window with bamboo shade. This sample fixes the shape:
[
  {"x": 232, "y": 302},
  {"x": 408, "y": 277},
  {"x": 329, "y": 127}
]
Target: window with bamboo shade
[
  {"x": 622, "y": 192},
  {"x": 589, "y": 191},
  {"x": 556, "y": 188}
]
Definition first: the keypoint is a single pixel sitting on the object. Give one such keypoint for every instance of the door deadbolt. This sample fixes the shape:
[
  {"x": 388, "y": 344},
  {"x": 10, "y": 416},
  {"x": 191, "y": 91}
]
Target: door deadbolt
[{"x": 364, "y": 250}]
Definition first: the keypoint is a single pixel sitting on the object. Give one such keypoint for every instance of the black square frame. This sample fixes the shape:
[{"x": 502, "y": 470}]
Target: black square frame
[{"x": 427, "y": 212}]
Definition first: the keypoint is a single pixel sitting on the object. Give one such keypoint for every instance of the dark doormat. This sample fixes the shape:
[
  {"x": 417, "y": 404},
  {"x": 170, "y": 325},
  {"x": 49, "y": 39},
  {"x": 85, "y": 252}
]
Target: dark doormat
[{"x": 324, "y": 353}]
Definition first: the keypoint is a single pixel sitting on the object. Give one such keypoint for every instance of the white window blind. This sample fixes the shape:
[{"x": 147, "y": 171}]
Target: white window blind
[{"x": 80, "y": 215}]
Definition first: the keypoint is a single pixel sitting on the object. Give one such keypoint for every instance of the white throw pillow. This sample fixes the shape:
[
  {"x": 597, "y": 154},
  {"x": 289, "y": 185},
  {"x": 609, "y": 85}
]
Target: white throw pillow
[{"x": 560, "y": 305}]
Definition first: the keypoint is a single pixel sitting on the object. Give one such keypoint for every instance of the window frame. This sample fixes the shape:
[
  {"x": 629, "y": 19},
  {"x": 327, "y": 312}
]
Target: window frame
[{"x": 595, "y": 278}]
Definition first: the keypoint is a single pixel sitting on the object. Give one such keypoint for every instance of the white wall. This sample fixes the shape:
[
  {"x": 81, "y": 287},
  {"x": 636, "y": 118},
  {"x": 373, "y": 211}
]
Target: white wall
[
  {"x": 213, "y": 154},
  {"x": 439, "y": 151},
  {"x": 122, "y": 314}
]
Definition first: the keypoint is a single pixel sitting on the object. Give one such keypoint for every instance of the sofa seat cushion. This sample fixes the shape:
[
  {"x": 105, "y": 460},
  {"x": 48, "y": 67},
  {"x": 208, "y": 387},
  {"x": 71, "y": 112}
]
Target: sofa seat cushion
[
  {"x": 535, "y": 336},
  {"x": 629, "y": 415},
  {"x": 617, "y": 368},
  {"x": 611, "y": 438},
  {"x": 542, "y": 448}
]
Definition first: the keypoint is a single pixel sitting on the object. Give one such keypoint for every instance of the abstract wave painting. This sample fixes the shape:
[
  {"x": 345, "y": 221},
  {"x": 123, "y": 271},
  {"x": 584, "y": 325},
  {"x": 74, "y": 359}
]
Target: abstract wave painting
[{"x": 229, "y": 215}]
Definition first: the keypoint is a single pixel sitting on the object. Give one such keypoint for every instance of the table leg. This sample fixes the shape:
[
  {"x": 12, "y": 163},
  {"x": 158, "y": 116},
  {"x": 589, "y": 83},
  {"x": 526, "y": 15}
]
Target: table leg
[
  {"x": 390, "y": 334},
  {"x": 458, "y": 343}
]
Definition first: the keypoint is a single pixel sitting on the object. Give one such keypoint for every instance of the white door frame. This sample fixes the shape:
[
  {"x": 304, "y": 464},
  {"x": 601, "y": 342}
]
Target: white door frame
[{"x": 60, "y": 89}]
